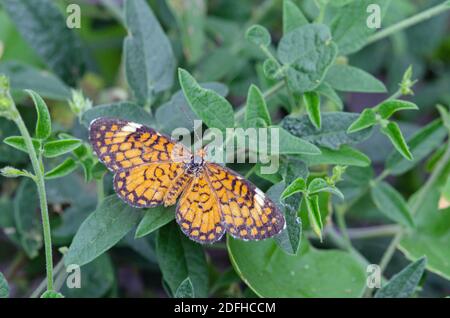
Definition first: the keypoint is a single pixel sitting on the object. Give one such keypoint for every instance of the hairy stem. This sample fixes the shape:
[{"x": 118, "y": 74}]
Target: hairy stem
[
  {"x": 415, "y": 19},
  {"x": 39, "y": 180}
]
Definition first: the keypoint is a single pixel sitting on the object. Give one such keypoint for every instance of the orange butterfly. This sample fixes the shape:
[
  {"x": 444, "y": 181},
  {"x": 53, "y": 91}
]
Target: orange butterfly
[{"x": 152, "y": 169}]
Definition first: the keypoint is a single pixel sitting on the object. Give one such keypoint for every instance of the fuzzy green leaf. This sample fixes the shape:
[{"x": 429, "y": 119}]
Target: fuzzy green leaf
[
  {"x": 258, "y": 35},
  {"x": 421, "y": 144},
  {"x": 59, "y": 147},
  {"x": 404, "y": 284},
  {"x": 18, "y": 142},
  {"x": 391, "y": 203},
  {"x": 179, "y": 257},
  {"x": 153, "y": 219},
  {"x": 292, "y": 17},
  {"x": 389, "y": 107},
  {"x": 106, "y": 226},
  {"x": 149, "y": 59},
  {"x": 44, "y": 28},
  {"x": 315, "y": 219},
  {"x": 256, "y": 109},
  {"x": 44, "y": 122},
  {"x": 333, "y": 132},
  {"x": 213, "y": 109},
  {"x": 63, "y": 169},
  {"x": 306, "y": 54},
  {"x": 392, "y": 130},
  {"x": 347, "y": 78},
  {"x": 185, "y": 290},
  {"x": 345, "y": 155},
  {"x": 310, "y": 273},
  {"x": 367, "y": 119},
  {"x": 298, "y": 185},
  {"x": 320, "y": 185},
  {"x": 312, "y": 103},
  {"x": 290, "y": 144}
]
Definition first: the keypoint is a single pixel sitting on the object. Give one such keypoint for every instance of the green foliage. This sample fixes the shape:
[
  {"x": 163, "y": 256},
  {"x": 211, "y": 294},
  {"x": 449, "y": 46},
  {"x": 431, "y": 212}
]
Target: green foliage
[
  {"x": 306, "y": 54},
  {"x": 404, "y": 284},
  {"x": 109, "y": 223},
  {"x": 344, "y": 178},
  {"x": 391, "y": 203},
  {"x": 149, "y": 59},
  {"x": 4, "y": 288},
  {"x": 179, "y": 259}
]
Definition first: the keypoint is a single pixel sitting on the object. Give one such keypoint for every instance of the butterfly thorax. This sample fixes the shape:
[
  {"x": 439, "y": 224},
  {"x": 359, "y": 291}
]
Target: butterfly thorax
[{"x": 195, "y": 166}]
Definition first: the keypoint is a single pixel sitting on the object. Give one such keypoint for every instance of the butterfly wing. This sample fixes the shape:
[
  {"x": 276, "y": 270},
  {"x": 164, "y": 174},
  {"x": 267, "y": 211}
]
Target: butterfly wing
[
  {"x": 198, "y": 212},
  {"x": 246, "y": 212},
  {"x": 148, "y": 166},
  {"x": 122, "y": 145}
]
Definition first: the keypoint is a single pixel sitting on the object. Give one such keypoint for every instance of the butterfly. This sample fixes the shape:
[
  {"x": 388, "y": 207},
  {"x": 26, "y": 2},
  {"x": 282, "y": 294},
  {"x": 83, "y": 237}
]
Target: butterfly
[{"x": 151, "y": 169}]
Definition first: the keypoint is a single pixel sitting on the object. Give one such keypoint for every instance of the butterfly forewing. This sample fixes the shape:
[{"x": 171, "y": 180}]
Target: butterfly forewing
[{"x": 147, "y": 164}]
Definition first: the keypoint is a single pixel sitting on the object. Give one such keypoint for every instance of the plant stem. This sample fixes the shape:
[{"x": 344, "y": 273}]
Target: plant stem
[
  {"x": 100, "y": 190},
  {"x": 340, "y": 219},
  {"x": 39, "y": 180},
  {"x": 374, "y": 231},
  {"x": 422, "y": 16}
]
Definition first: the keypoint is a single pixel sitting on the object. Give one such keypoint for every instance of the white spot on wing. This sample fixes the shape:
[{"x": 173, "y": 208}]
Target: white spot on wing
[
  {"x": 259, "y": 199},
  {"x": 260, "y": 193}
]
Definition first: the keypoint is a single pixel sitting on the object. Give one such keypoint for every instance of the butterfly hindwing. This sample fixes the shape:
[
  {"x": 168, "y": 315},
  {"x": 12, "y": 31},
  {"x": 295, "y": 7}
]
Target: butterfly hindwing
[
  {"x": 246, "y": 212},
  {"x": 198, "y": 212}
]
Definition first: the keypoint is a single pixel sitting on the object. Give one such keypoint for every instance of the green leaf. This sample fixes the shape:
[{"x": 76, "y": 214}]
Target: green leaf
[
  {"x": 213, "y": 109},
  {"x": 445, "y": 115},
  {"x": 18, "y": 142},
  {"x": 391, "y": 203},
  {"x": 347, "y": 78},
  {"x": 312, "y": 103},
  {"x": 97, "y": 278},
  {"x": 289, "y": 239},
  {"x": 298, "y": 185},
  {"x": 292, "y": 17},
  {"x": 270, "y": 272},
  {"x": 389, "y": 107},
  {"x": 431, "y": 236},
  {"x": 109, "y": 223},
  {"x": 185, "y": 290},
  {"x": 392, "y": 130},
  {"x": 320, "y": 185},
  {"x": 345, "y": 155},
  {"x": 51, "y": 294},
  {"x": 44, "y": 122},
  {"x": 422, "y": 144},
  {"x": 149, "y": 59},
  {"x": 59, "y": 147},
  {"x": 43, "y": 26},
  {"x": 271, "y": 69},
  {"x": 326, "y": 90},
  {"x": 258, "y": 35},
  {"x": 63, "y": 169},
  {"x": 349, "y": 24},
  {"x": 367, "y": 119},
  {"x": 177, "y": 112},
  {"x": 404, "y": 284},
  {"x": 314, "y": 216},
  {"x": 256, "y": 109},
  {"x": 306, "y": 54},
  {"x": 190, "y": 16},
  {"x": 153, "y": 219},
  {"x": 333, "y": 132},
  {"x": 23, "y": 76},
  {"x": 4, "y": 288},
  {"x": 122, "y": 110},
  {"x": 179, "y": 257},
  {"x": 27, "y": 217},
  {"x": 290, "y": 144},
  {"x": 11, "y": 172}
]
